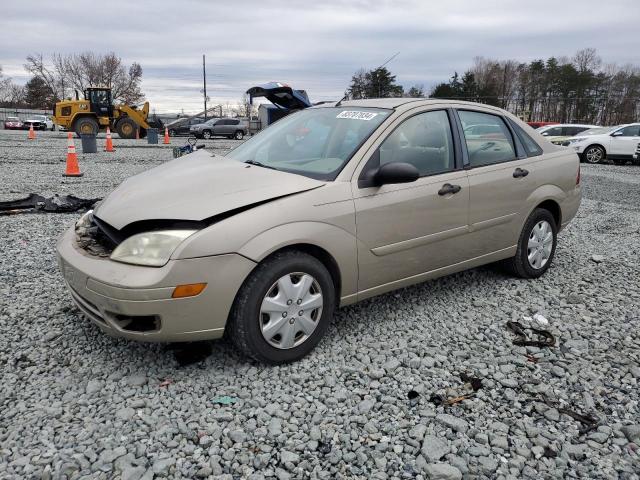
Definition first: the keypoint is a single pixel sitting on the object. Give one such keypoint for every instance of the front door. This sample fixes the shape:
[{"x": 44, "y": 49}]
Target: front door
[
  {"x": 407, "y": 229},
  {"x": 624, "y": 141}
]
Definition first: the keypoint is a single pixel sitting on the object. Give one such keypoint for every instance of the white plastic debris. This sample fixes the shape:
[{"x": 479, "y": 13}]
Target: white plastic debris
[{"x": 540, "y": 320}]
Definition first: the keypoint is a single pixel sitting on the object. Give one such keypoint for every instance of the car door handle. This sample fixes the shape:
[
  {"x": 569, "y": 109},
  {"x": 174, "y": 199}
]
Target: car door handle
[
  {"x": 520, "y": 172},
  {"x": 447, "y": 188}
]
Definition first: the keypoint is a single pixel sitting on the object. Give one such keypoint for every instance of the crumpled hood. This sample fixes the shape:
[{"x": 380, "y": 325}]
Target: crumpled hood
[{"x": 196, "y": 187}]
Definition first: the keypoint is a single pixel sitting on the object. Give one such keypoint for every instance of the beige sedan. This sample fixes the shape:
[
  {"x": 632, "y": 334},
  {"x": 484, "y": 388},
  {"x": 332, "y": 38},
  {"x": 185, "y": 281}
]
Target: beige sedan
[{"x": 327, "y": 207}]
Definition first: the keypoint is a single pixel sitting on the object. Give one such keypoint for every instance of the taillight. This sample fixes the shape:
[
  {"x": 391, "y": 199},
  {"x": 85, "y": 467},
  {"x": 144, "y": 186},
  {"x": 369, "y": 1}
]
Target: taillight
[{"x": 578, "y": 176}]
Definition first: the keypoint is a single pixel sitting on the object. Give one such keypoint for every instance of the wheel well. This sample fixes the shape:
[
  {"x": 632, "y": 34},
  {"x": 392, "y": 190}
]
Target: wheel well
[
  {"x": 324, "y": 257},
  {"x": 552, "y": 207},
  {"x": 80, "y": 116}
]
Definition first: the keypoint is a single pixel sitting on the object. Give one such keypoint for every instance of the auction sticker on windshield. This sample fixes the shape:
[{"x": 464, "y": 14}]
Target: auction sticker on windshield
[{"x": 354, "y": 115}]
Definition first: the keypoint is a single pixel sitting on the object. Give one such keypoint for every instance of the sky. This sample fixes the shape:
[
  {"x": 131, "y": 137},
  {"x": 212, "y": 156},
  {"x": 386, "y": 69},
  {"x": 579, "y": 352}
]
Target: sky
[{"x": 315, "y": 46}]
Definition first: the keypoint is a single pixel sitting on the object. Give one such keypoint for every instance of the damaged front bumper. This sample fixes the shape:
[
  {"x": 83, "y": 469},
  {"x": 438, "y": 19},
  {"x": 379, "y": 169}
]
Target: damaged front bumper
[{"x": 136, "y": 302}]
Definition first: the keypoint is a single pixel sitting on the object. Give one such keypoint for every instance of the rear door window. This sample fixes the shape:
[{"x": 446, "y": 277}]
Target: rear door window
[{"x": 495, "y": 146}]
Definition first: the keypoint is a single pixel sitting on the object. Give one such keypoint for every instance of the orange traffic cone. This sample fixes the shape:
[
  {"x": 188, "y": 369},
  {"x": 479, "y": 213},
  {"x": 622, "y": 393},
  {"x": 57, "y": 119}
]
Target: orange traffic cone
[
  {"x": 72, "y": 159},
  {"x": 108, "y": 146},
  {"x": 32, "y": 133},
  {"x": 166, "y": 136}
]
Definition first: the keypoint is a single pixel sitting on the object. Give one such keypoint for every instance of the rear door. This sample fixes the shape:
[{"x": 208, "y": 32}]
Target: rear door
[
  {"x": 407, "y": 229},
  {"x": 500, "y": 181},
  {"x": 624, "y": 141}
]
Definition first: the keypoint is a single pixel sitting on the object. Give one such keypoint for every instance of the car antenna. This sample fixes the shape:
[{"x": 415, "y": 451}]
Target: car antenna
[{"x": 346, "y": 97}]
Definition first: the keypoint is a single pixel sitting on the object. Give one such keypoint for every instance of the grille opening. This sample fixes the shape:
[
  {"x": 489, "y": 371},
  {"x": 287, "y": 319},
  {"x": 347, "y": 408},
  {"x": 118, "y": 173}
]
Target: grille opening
[{"x": 137, "y": 323}]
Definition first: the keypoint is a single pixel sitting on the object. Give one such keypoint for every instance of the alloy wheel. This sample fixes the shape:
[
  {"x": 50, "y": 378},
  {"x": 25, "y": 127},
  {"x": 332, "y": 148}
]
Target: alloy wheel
[
  {"x": 594, "y": 155},
  {"x": 540, "y": 244},
  {"x": 291, "y": 310}
]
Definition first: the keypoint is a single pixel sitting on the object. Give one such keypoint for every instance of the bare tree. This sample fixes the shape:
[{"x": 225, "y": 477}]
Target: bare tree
[{"x": 86, "y": 69}]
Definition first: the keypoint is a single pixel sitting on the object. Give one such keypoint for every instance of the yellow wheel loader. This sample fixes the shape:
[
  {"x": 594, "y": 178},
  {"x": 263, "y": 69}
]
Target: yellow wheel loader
[{"x": 97, "y": 112}]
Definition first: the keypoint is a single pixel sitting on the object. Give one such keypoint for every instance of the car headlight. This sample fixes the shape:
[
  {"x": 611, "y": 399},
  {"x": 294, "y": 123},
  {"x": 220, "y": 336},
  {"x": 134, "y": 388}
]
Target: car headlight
[{"x": 151, "y": 249}]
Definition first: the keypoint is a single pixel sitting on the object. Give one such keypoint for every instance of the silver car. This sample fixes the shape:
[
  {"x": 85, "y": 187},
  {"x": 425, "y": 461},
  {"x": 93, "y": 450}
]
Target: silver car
[
  {"x": 220, "y": 127},
  {"x": 327, "y": 207}
]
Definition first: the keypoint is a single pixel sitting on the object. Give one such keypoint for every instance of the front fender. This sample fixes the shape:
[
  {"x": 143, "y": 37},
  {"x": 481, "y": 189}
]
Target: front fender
[{"x": 338, "y": 243}]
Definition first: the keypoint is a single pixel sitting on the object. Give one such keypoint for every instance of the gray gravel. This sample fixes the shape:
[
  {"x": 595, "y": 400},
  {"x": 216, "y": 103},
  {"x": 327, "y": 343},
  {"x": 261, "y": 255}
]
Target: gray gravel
[{"x": 77, "y": 404}]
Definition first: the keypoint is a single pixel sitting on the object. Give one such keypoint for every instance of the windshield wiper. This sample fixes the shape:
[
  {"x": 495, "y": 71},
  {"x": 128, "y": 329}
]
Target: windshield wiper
[{"x": 259, "y": 164}]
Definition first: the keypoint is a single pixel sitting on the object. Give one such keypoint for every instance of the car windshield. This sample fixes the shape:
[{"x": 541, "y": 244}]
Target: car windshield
[
  {"x": 598, "y": 131},
  {"x": 315, "y": 142}
]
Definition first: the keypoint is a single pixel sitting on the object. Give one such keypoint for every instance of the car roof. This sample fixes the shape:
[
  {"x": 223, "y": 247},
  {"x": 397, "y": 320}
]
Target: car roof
[
  {"x": 397, "y": 103},
  {"x": 570, "y": 125}
]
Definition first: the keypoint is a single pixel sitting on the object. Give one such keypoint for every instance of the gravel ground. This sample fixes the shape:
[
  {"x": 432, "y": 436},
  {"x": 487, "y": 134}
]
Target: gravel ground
[{"x": 75, "y": 403}]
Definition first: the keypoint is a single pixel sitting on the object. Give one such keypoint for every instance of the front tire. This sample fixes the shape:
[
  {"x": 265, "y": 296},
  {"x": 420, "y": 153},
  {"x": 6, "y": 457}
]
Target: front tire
[
  {"x": 536, "y": 246},
  {"x": 283, "y": 308},
  {"x": 172, "y": 133},
  {"x": 594, "y": 154},
  {"x": 126, "y": 128},
  {"x": 239, "y": 135},
  {"x": 86, "y": 126},
  {"x": 206, "y": 134}
]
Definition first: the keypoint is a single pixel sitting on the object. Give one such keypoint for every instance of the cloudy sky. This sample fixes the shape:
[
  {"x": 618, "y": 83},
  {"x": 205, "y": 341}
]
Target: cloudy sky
[{"x": 311, "y": 45}]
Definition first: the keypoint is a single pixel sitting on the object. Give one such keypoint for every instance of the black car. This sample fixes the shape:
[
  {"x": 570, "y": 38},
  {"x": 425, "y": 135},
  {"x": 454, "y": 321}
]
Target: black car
[{"x": 182, "y": 127}]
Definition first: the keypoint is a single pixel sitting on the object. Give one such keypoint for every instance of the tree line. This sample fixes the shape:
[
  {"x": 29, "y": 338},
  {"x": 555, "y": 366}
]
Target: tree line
[
  {"x": 57, "y": 78},
  {"x": 580, "y": 89}
]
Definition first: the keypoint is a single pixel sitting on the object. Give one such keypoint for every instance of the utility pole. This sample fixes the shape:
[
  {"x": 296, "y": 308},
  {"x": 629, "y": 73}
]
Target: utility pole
[{"x": 204, "y": 81}]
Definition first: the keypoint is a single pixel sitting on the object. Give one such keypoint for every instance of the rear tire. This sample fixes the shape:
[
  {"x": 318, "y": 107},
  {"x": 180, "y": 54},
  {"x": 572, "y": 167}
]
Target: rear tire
[
  {"x": 248, "y": 323},
  {"x": 126, "y": 128},
  {"x": 530, "y": 239},
  {"x": 86, "y": 126}
]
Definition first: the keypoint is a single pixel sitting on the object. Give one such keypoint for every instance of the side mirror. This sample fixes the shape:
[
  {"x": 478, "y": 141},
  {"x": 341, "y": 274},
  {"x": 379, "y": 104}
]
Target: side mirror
[
  {"x": 617, "y": 134},
  {"x": 389, "y": 173},
  {"x": 545, "y": 134}
]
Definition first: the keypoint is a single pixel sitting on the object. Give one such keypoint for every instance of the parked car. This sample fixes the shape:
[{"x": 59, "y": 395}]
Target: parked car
[
  {"x": 557, "y": 134},
  {"x": 220, "y": 127},
  {"x": 615, "y": 143},
  {"x": 482, "y": 131},
  {"x": 330, "y": 205},
  {"x": 13, "y": 123},
  {"x": 540, "y": 124},
  {"x": 184, "y": 127},
  {"x": 40, "y": 122}
]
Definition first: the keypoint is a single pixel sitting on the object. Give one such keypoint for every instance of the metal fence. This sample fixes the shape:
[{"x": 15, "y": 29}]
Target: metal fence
[{"x": 22, "y": 113}]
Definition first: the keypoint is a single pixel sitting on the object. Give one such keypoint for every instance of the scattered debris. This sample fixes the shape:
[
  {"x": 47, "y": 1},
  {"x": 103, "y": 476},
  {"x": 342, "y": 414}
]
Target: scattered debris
[
  {"x": 38, "y": 203},
  {"x": 453, "y": 396},
  {"x": 166, "y": 382},
  {"x": 224, "y": 400},
  {"x": 190, "y": 147},
  {"x": 414, "y": 397},
  {"x": 190, "y": 353},
  {"x": 324, "y": 447},
  {"x": 546, "y": 338},
  {"x": 588, "y": 422},
  {"x": 541, "y": 320},
  {"x": 597, "y": 258}
]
